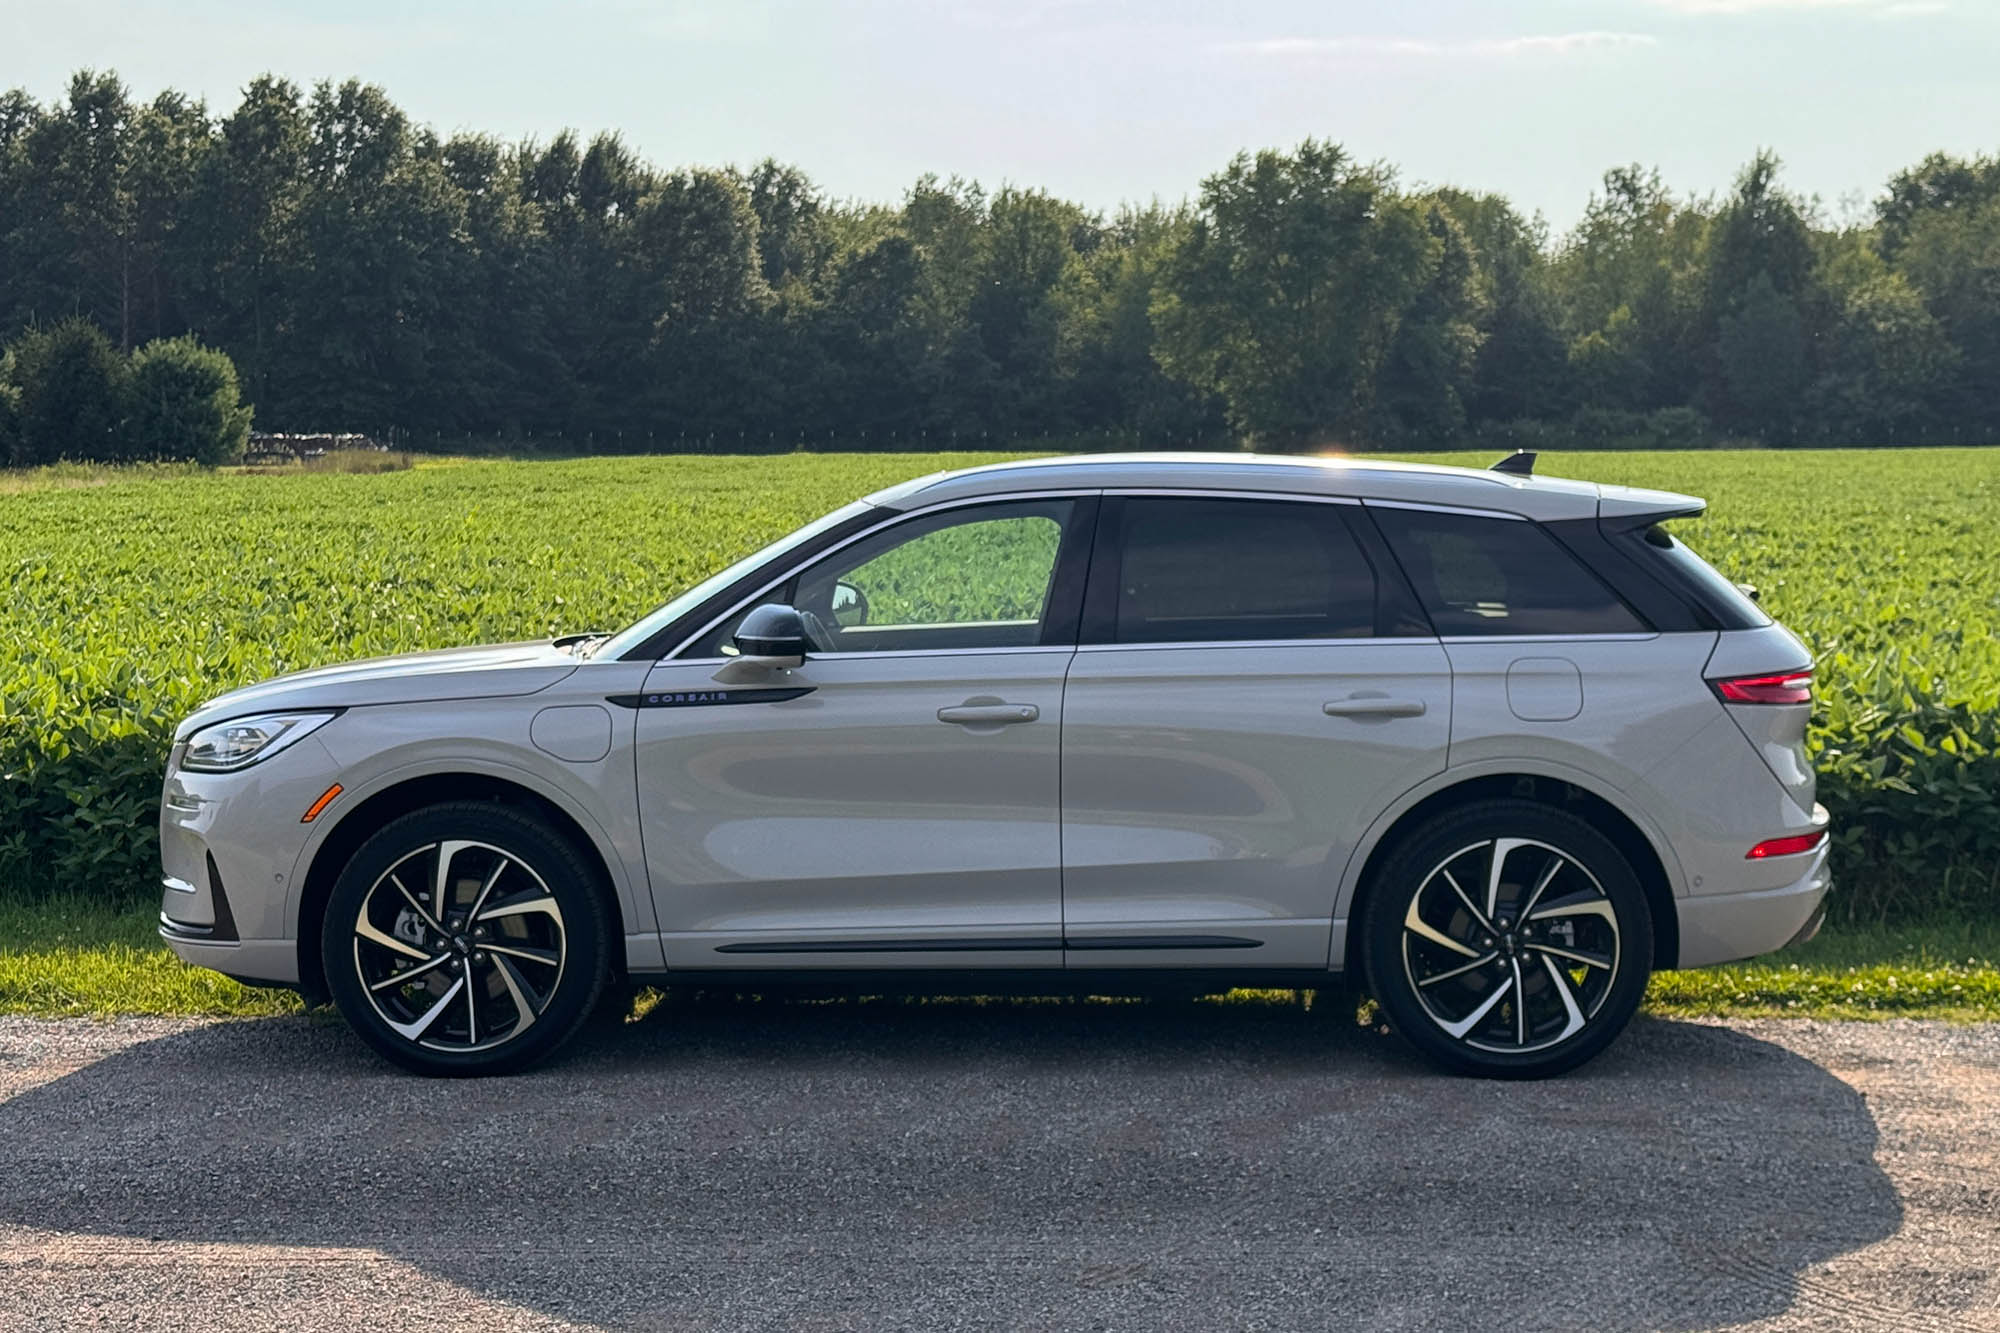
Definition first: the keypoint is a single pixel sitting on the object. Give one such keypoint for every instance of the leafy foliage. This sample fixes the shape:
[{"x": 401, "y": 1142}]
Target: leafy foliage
[
  {"x": 71, "y": 385},
  {"x": 67, "y": 394},
  {"x": 365, "y": 272},
  {"x": 1882, "y": 561},
  {"x": 185, "y": 403}
]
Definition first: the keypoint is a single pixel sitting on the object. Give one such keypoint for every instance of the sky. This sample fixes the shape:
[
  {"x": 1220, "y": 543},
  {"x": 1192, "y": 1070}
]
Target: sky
[{"x": 1107, "y": 102}]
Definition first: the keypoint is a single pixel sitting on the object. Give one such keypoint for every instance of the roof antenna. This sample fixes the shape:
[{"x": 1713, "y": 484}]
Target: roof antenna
[{"x": 1520, "y": 463}]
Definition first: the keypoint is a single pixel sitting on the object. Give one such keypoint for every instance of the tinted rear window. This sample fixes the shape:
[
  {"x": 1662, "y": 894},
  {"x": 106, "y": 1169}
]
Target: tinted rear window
[
  {"x": 1209, "y": 571},
  {"x": 1498, "y": 577},
  {"x": 1722, "y": 598}
]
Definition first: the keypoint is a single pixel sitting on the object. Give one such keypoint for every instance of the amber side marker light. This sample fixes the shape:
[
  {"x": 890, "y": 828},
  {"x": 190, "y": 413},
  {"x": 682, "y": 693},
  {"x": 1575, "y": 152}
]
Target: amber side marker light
[
  {"x": 1792, "y": 846},
  {"x": 326, "y": 799}
]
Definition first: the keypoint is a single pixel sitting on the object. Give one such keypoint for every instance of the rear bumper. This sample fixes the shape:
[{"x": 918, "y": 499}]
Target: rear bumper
[{"x": 1723, "y": 927}]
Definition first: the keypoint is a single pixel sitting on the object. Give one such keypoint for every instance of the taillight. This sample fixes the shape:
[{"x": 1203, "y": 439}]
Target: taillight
[
  {"x": 1784, "y": 687},
  {"x": 1792, "y": 846}
]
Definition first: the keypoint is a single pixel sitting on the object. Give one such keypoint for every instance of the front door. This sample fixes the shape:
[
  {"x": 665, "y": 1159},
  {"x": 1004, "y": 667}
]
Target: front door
[
  {"x": 894, "y": 801},
  {"x": 1249, "y": 696}
]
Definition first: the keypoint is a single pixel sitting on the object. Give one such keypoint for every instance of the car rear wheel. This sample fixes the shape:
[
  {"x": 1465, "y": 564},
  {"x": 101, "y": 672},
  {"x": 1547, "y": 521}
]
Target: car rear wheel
[
  {"x": 466, "y": 938},
  {"x": 1507, "y": 939}
]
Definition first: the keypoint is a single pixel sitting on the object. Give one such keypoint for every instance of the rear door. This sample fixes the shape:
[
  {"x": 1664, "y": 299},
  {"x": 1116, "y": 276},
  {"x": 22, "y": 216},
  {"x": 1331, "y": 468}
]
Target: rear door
[{"x": 1255, "y": 685}]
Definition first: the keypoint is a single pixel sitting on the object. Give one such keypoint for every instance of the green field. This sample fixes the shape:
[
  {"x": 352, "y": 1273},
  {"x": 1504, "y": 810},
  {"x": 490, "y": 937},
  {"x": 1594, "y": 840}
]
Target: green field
[{"x": 133, "y": 596}]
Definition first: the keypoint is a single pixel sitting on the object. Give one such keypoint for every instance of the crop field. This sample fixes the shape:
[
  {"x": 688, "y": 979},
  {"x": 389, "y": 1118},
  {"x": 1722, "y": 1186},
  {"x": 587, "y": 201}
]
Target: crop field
[{"x": 130, "y": 598}]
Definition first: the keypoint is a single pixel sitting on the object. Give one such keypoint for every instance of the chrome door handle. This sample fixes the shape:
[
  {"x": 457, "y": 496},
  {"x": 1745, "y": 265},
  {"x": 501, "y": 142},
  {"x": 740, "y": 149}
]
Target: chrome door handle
[
  {"x": 1373, "y": 706},
  {"x": 988, "y": 715}
]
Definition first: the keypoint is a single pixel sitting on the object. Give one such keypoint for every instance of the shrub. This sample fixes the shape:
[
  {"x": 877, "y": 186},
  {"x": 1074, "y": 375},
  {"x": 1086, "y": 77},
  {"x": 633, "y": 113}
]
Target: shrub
[
  {"x": 10, "y": 414},
  {"x": 185, "y": 403},
  {"x": 72, "y": 385}
]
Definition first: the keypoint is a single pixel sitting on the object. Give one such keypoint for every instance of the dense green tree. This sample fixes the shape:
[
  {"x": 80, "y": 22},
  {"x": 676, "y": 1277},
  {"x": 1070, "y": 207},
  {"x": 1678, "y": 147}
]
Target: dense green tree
[
  {"x": 1427, "y": 375},
  {"x": 244, "y": 244},
  {"x": 1887, "y": 365},
  {"x": 1761, "y": 355},
  {"x": 72, "y": 387},
  {"x": 793, "y": 242},
  {"x": 365, "y": 272},
  {"x": 1287, "y": 293},
  {"x": 1630, "y": 282},
  {"x": 1938, "y": 184},
  {"x": 1521, "y": 368},
  {"x": 185, "y": 403},
  {"x": 1952, "y": 258}
]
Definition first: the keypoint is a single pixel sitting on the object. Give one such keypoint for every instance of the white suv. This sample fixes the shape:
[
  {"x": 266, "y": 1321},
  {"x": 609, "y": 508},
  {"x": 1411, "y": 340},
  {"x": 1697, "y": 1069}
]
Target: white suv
[{"x": 1495, "y": 744}]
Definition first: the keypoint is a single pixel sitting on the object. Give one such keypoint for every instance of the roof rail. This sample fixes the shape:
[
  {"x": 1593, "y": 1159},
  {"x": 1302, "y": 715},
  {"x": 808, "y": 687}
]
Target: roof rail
[{"x": 1520, "y": 463}]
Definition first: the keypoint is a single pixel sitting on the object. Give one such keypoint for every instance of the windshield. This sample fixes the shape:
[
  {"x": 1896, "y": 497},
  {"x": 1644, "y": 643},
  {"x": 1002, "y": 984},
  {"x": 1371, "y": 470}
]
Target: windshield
[{"x": 631, "y": 637}]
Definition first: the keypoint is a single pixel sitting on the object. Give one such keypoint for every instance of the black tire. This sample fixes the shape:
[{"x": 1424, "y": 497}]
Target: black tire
[
  {"x": 1581, "y": 969},
  {"x": 534, "y": 961}
]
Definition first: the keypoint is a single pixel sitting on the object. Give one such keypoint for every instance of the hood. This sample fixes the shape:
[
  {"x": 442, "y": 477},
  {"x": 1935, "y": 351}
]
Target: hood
[{"x": 451, "y": 673}]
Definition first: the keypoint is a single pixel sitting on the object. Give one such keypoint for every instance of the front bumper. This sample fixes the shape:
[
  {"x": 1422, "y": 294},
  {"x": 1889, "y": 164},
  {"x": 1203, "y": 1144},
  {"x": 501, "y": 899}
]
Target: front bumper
[
  {"x": 1723, "y": 927},
  {"x": 228, "y": 846}
]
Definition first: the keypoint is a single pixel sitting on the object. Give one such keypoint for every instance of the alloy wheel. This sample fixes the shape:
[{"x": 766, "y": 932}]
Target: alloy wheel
[
  {"x": 1511, "y": 946},
  {"x": 460, "y": 946}
]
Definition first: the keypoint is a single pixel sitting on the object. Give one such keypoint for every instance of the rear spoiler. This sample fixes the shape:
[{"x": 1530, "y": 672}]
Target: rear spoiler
[{"x": 1622, "y": 508}]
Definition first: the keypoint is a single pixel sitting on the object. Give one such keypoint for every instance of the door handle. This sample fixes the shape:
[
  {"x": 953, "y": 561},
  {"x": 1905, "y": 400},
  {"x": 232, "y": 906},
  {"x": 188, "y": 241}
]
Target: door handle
[
  {"x": 988, "y": 715},
  {"x": 1373, "y": 706}
]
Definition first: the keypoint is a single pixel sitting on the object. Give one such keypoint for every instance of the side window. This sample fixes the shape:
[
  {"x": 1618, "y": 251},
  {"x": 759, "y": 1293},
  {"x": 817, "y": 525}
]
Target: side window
[
  {"x": 1220, "y": 571},
  {"x": 966, "y": 578},
  {"x": 1498, "y": 577}
]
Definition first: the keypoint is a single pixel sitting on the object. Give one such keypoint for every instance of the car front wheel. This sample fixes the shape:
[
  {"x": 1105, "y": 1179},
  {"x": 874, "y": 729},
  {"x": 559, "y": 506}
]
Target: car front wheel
[
  {"x": 466, "y": 938},
  {"x": 1507, "y": 939}
]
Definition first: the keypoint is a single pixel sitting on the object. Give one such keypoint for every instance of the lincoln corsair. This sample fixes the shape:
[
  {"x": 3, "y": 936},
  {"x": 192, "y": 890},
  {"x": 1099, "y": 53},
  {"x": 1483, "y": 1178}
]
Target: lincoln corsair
[{"x": 1492, "y": 746}]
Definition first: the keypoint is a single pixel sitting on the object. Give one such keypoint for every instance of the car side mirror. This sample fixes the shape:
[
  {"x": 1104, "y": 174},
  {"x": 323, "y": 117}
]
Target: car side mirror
[{"x": 771, "y": 637}]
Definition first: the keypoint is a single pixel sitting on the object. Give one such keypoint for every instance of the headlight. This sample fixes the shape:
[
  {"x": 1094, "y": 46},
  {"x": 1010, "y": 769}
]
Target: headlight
[{"x": 242, "y": 741}]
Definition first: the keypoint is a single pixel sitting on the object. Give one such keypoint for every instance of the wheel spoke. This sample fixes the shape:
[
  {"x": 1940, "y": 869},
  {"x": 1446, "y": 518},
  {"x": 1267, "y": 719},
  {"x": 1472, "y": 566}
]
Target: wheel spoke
[
  {"x": 486, "y": 889},
  {"x": 1579, "y": 906},
  {"x": 1484, "y": 923},
  {"x": 1520, "y": 1003},
  {"x": 471, "y": 1007},
  {"x": 1574, "y": 955},
  {"x": 1556, "y": 863},
  {"x": 544, "y": 905},
  {"x": 1473, "y": 1019},
  {"x": 368, "y": 930},
  {"x": 517, "y": 989},
  {"x": 422, "y": 912},
  {"x": 546, "y": 957},
  {"x": 441, "y": 885},
  {"x": 1501, "y": 846},
  {"x": 415, "y": 1030},
  {"x": 1461, "y": 969},
  {"x": 409, "y": 974},
  {"x": 1413, "y": 922},
  {"x": 1573, "y": 1014}
]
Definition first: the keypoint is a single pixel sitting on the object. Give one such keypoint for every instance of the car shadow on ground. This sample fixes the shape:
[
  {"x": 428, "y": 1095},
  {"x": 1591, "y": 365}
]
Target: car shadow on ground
[{"x": 876, "y": 1164}]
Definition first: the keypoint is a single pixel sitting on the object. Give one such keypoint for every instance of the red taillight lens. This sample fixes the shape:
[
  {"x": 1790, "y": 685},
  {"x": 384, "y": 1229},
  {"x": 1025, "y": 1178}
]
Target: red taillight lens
[
  {"x": 1803, "y": 842},
  {"x": 1786, "y": 687}
]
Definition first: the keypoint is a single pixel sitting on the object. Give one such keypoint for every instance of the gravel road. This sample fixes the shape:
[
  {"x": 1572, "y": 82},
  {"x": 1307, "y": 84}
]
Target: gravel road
[{"x": 844, "y": 1166}]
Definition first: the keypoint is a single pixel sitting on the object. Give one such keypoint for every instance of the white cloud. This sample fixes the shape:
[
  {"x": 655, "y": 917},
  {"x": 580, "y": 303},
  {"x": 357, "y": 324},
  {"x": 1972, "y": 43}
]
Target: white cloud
[{"x": 1558, "y": 44}]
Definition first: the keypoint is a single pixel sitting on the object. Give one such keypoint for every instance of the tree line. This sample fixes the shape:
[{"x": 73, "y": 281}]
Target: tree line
[{"x": 364, "y": 272}]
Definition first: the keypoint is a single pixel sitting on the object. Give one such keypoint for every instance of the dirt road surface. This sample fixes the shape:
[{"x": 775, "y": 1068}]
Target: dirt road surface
[{"x": 1097, "y": 1166}]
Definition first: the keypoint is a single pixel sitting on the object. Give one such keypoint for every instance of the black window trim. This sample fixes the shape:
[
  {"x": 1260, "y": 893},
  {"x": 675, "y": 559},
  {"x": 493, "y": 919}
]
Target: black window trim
[
  {"x": 1066, "y": 585},
  {"x": 1099, "y": 631}
]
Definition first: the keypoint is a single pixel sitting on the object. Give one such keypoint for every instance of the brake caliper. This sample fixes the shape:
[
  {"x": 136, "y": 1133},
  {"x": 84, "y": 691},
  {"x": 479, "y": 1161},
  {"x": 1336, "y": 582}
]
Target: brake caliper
[{"x": 409, "y": 927}]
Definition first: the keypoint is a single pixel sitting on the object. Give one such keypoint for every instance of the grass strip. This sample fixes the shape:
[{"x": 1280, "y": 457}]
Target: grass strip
[{"x": 68, "y": 958}]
